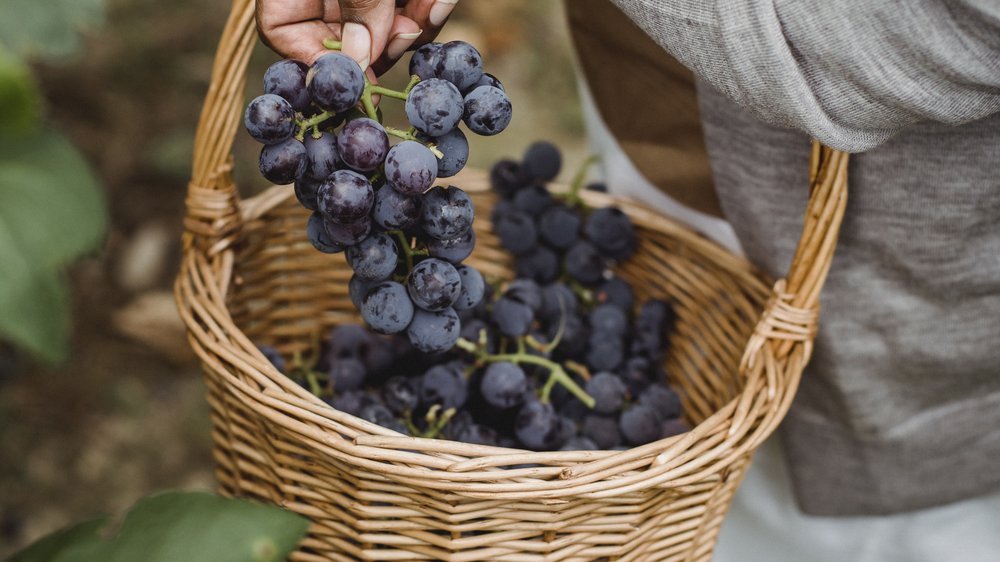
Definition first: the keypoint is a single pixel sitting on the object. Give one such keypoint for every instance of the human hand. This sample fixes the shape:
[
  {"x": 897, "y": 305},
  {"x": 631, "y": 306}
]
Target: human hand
[{"x": 369, "y": 30}]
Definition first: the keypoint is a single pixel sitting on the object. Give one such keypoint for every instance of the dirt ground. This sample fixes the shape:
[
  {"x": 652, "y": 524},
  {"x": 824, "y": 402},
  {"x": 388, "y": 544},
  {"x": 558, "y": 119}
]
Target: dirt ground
[{"x": 126, "y": 416}]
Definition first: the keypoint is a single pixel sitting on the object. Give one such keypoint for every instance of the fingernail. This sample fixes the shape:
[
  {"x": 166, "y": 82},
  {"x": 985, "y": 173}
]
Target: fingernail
[
  {"x": 357, "y": 43},
  {"x": 441, "y": 10},
  {"x": 400, "y": 43}
]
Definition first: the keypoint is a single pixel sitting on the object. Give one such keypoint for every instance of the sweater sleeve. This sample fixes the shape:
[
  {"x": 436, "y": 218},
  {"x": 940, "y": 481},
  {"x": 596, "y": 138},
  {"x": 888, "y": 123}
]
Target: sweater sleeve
[{"x": 850, "y": 73}]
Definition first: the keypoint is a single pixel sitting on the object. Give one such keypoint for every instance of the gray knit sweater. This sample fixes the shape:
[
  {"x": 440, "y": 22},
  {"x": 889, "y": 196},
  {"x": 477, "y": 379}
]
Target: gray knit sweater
[{"x": 900, "y": 407}]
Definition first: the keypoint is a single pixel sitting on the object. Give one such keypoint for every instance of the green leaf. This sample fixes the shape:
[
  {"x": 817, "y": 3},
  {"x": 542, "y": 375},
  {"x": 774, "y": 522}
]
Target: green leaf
[
  {"x": 47, "y": 28},
  {"x": 51, "y": 211},
  {"x": 19, "y": 98},
  {"x": 180, "y": 527}
]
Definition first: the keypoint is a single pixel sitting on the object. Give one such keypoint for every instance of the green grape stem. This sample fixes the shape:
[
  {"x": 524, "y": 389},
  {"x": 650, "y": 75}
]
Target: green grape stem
[
  {"x": 573, "y": 197},
  {"x": 557, "y": 374},
  {"x": 407, "y": 248},
  {"x": 311, "y": 123}
]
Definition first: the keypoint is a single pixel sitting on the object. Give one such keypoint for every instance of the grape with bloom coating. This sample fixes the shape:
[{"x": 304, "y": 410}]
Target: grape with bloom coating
[
  {"x": 473, "y": 287},
  {"x": 410, "y": 168},
  {"x": 454, "y": 250},
  {"x": 270, "y": 119},
  {"x": 504, "y": 385},
  {"x": 459, "y": 63},
  {"x": 387, "y": 308},
  {"x": 316, "y": 232},
  {"x": 455, "y": 148},
  {"x": 424, "y": 61},
  {"x": 363, "y": 144},
  {"x": 395, "y": 211},
  {"x": 287, "y": 78},
  {"x": 537, "y": 426},
  {"x": 447, "y": 212},
  {"x": 374, "y": 259},
  {"x": 306, "y": 191},
  {"x": 433, "y": 332},
  {"x": 335, "y": 82},
  {"x": 282, "y": 162},
  {"x": 434, "y": 106},
  {"x": 348, "y": 234},
  {"x": 487, "y": 111},
  {"x": 345, "y": 197},
  {"x": 444, "y": 385},
  {"x": 321, "y": 155},
  {"x": 434, "y": 284}
]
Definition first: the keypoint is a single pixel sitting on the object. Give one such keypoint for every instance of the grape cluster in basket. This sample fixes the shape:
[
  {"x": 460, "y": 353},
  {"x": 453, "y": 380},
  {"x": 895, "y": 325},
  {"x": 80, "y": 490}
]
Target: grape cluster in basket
[
  {"x": 553, "y": 361},
  {"x": 404, "y": 237}
]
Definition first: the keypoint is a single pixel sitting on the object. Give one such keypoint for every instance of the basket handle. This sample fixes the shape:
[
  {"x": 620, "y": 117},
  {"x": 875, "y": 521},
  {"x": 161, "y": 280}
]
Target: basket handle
[{"x": 212, "y": 203}]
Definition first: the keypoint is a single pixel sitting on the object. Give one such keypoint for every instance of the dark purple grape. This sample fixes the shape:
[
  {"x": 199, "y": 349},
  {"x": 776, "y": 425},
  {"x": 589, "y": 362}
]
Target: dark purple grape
[
  {"x": 380, "y": 415},
  {"x": 542, "y": 161},
  {"x": 602, "y": 430},
  {"x": 502, "y": 208},
  {"x": 608, "y": 392},
  {"x": 395, "y": 211},
  {"x": 335, "y": 82},
  {"x": 636, "y": 374},
  {"x": 387, "y": 308},
  {"x": 318, "y": 236},
  {"x": 654, "y": 320},
  {"x": 504, "y": 385},
  {"x": 487, "y": 111},
  {"x": 537, "y": 426},
  {"x": 559, "y": 226},
  {"x": 540, "y": 264},
  {"x": 287, "y": 78},
  {"x": 345, "y": 197},
  {"x": 579, "y": 443},
  {"x": 447, "y": 213},
  {"x": 527, "y": 291},
  {"x": 400, "y": 395},
  {"x": 455, "y": 148},
  {"x": 487, "y": 80},
  {"x": 473, "y": 287},
  {"x": 557, "y": 300},
  {"x": 584, "y": 263},
  {"x": 348, "y": 340},
  {"x": 411, "y": 168},
  {"x": 346, "y": 374},
  {"x": 617, "y": 292},
  {"x": 434, "y": 106},
  {"x": 459, "y": 63},
  {"x": 606, "y": 319},
  {"x": 676, "y": 426},
  {"x": 444, "y": 385},
  {"x": 273, "y": 356},
  {"x": 574, "y": 339},
  {"x": 454, "y": 250},
  {"x": 363, "y": 144},
  {"x": 662, "y": 400},
  {"x": 533, "y": 199},
  {"x": 424, "y": 61},
  {"x": 517, "y": 232},
  {"x": 321, "y": 155},
  {"x": 374, "y": 258},
  {"x": 432, "y": 332},
  {"x": 513, "y": 318},
  {"x": 269, "y": 119},
  {"x": 640, "y": 425},
  {"x": 434, "y": 285},
  {"x": 348, "y": 234},
  {"x": 611, "y": 232},
  {"x": 282, "y": 162},
  {"x": 352, "y": 402},
  {"x": 306, "y": 190},
  {"x": 357, "y": 288},
  {"x": 506, "y": 178},
  {"x": 604, "y": 353}
]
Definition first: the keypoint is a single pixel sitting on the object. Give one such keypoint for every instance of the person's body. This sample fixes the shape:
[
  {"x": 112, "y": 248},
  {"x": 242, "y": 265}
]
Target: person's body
[{"x": 898, "y": 415}]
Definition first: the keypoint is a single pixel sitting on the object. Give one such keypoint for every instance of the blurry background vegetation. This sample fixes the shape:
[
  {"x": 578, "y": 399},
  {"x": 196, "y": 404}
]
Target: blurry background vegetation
[{"x": 124, "y": 414}]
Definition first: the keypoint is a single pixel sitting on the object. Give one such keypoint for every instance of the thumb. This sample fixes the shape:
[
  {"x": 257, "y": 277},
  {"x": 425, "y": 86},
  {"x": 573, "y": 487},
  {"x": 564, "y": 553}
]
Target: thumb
[{"x": 366, "y": 28}]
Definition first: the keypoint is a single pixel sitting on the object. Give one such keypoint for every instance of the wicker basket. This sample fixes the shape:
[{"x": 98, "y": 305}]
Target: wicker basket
[{"x": 249, "y": 276}]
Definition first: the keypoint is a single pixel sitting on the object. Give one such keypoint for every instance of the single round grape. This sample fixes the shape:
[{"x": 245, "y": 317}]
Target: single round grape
[
  {"x": 306, "y": 191},
  {"x": 611, "y": 232},
  {"x": 282, "y": 162},
  {"x": 287, "y": 78},
  {"x": 559, "y": 226},
  {"x": 584, "y": 263},
  {"x": 433, "y": 332},
  {"x": 399, "y": 395},
  {"x": 542, "y": 161},
  {"x": 487, "y": 80},
  {"x": 617, "y": 292},
  {"x": 434, "y": 284},
  {"x": 504, "y": 385},
  {"x": 387, "y": 308},
  {"x": 269, "y": 119},
  {"x": 455, "y": 148},
  {"x": 378, "y": 414},
  {"x": 374, "y": 258},
  {"x": 411, "y": 168},
  {"x": 579, "y": 443},
  {"x": 352, "y": 401},
  {"x": 533, "y": 199},
  {"x": 635, "y": 373},
  {"x": 608, "y": 392},
  {"x": 574, "y": 337},
  {"x": 487, "y": 111},
  {"x": 454, "y": 250},
  {"x": 501, "y": 208},
  {"x": 395, "y": 211},
  {"x": 506, "y": 178},
  {"x": 350, "y": 233},
  {"x": 321, "y": 155},
  {"x": 513, "y": 318},
  {"x": 459, "y": 63},
  {"x": 335, "y": 82},
  {"x": 424, "y": 61},
  {"x": 527, "y": 291},
  {"x": 357, "y": 288},
  {"x": 603, "y": 353},
  {"x": 540, "y": 264},
  {"x": 434, "y": 106},
  {"x": 662, "y": 400},
  {"x": 478, "y": 434},
  {"x": 345, "y": 197},
  {"x": 602, "y": 430},
  {"x": 605, "y": 319},
  {"x": 537, "y": 426},
  {"x": 517, "y": 232},
  {"x": 444, "y": 385},
  {"x": 473, "y": 287},
  {"x": 346, "y": 374},
  {"x": 363, "y": 144},
  {"x": 318, "y": 236},
  {"x": 557, "y": 300},
  {"x": 640, "y": 425},
  {"x": 348, "y": 340},
  {"x": 447, "y": 213}
]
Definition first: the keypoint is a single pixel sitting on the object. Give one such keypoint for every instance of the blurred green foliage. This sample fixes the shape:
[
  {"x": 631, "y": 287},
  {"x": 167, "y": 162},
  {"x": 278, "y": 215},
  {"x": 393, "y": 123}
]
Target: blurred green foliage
[
  {"x": 51, "y": 207},
  {"x": 178, "y": 527}
]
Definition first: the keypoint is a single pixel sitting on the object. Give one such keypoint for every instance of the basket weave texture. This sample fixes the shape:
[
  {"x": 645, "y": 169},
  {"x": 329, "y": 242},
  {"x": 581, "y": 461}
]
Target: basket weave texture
[{"x": 249, "y": 276}]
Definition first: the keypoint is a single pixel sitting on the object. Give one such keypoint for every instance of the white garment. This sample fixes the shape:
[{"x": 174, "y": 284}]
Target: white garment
[{"x": 764, "y": 524}]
